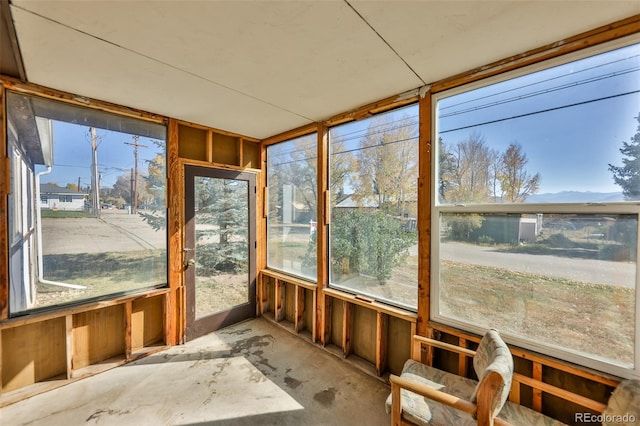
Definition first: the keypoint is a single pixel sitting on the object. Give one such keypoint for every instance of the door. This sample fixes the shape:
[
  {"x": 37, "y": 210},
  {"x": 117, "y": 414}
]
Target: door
[{"x": 219, "y": 251}]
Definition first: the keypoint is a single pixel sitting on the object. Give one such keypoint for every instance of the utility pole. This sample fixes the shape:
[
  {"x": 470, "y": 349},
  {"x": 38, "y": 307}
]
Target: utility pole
[
  {"x": 95, "y": 181},
  {"x": 134, "y": 195}
]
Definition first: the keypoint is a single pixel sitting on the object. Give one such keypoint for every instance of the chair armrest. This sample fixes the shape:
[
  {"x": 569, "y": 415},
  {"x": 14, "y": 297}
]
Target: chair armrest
[
  {"x": 398, "y": 383},
  {"x": 443, "y": 345},
  {"x": 433, "y": 394}
]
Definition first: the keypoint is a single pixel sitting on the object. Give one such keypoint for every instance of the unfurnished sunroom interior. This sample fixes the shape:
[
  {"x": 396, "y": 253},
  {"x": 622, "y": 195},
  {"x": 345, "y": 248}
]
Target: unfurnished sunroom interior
[{"x": 352, "y": 172}]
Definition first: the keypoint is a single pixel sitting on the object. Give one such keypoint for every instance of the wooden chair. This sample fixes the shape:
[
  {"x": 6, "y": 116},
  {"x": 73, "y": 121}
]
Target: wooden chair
[{"x": 424, "y": 395}]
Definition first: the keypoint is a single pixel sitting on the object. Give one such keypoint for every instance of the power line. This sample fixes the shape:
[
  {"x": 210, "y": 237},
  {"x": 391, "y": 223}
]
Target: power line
[
  {"x": 541, "y": 81},
  {"x": 540, "y": 92},
  {"x": 540, "y": 111}
]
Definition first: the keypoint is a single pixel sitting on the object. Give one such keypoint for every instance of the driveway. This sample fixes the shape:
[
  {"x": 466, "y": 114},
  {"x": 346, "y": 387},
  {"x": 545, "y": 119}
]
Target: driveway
[
  {"x": 590, "y": 271},
  {"x": 115, "y": 230}
]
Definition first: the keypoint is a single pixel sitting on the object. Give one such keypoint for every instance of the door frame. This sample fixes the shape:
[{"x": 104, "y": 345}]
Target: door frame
[{"x": 207, "y": 324}]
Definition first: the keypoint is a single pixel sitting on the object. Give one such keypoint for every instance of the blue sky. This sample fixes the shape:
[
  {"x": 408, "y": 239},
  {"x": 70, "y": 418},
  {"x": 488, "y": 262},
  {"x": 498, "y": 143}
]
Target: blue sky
[
  {"x": 570, "y": 147},
  {"x": 72, "y": 155}
]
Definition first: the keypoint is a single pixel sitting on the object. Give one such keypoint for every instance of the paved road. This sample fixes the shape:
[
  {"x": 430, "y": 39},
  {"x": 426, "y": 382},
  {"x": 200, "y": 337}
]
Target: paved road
[
  {"x": 114, "y": 231},
  {"x": 591, "y": 271}
]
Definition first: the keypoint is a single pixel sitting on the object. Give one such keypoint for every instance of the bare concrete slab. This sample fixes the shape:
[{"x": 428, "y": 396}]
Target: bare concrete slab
[{"x": 253, "y": 373}]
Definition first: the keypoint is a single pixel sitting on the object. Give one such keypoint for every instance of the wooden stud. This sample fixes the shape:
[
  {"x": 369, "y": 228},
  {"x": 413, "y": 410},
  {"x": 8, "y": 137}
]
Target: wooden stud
[
  {"x": 209, "y": 146},
  {"x": 299, "y": 308},
  {"x": 314, "y": 313},
  {"x": 127, "y": 329},
  {"x": 176, "y": 308},
  {"x": 463, "y": 370},
  {"x": 279, "y": 311},
  {"x": 347, "y": 328},
  {"x": 323, "y": 308},
  {"x": 537, "y": 393},
  {"x": 424, "y": 215},
  {"x": 68, "y": 319},
  {"x": 382, "y": 339}
]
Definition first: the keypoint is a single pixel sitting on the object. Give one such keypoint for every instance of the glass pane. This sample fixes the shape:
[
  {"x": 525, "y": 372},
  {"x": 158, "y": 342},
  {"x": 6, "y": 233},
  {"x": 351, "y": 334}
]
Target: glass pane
[
  {"x": 561, "y": 279},
  {"x": 292, "y": 170},
  {"x": 553, "y": 136},
  {"x": 222, "y": 244},
  {"x": 373, "y": 239},
  {"x": 90, "y": 212}
]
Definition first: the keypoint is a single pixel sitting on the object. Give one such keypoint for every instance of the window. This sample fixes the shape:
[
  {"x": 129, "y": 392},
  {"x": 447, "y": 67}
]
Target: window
[
  {"x": 292, "y": 169},
  {"x": 373, "y": 173},
  {"x": 64, "y": 248},
  {"x": 535, "y": 221}
]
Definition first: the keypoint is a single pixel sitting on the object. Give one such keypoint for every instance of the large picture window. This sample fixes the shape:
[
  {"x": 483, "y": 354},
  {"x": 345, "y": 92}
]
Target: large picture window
[
  {"x": 536, "y": 204},
  {"x": 87, "y": 215},
  {"x": 373, "y": 240},
  {"x": 292, "y": 169}
]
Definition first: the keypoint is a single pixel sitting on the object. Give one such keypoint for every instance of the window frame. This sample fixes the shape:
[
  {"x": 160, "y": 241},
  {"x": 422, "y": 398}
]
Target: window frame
[
  {"x": 437, "y": 209},
  {"x": 396, "y": 304},
  {"x": 267, "y": 207},
  {"x": 23, "y": 183}
]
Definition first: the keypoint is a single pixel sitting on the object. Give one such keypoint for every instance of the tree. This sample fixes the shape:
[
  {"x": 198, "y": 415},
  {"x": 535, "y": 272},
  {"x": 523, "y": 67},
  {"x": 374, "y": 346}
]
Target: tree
[
  {"x": 470, "y": 178},
  {"x": 628, "y": 175},
  {"x": 515, "y": 182},
  {"x": 222, "y": 246},
  {"x": 386, "y": 164}
]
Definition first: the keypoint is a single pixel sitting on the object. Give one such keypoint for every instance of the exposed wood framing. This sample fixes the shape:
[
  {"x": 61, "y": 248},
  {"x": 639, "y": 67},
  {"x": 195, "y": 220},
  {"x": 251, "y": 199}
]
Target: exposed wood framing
[
  {"x": 291, "y": 134},
  {"x": 382, "y": 339},
  {"x": 176, "y": 308},
  {"x": 45, "y": 92},
  {"x": 373, "y": 108},
  {"x": 347, "y": 328},
  {"x": 299, "y": 308},
  {"x": 537, "y": 393},
  {"x": 424, "y": 216},
  {"x": 279, "y": 310},
  {"x": 323, "y": 307}
]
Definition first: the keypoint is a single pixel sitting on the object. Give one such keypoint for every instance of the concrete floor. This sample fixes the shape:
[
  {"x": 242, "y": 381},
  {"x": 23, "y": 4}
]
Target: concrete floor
[{"x": 252, "y": 373}]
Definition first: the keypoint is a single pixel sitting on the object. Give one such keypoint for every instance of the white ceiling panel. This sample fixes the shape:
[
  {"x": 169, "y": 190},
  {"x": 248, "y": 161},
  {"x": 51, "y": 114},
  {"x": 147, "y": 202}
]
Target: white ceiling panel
[
  {"x": 59, "y": 57},
  {"x": 445, "y": 38},
  {"x": 262, "y": 67}
]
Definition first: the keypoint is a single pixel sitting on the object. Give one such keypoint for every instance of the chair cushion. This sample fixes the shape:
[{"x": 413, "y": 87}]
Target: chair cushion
[
  {"x": 521, "y": 415},
  {"x": 624, "y": 405},
  {"x": 422, "y": 411},
  {"x": 493, "y": 355}
]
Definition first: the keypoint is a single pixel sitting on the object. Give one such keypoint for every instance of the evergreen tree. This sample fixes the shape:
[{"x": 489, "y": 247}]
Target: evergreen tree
[{"x": 628, "y": 175}]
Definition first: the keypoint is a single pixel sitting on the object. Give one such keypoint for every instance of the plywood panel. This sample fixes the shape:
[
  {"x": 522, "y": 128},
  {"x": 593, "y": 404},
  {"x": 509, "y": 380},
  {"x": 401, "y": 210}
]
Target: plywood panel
[
  {"x": 250, "y": 155},
  {"x": 399, "y": 344},
  {"x": 309, "y": 308},
  {"x": 147, "y": 320},
  {"x": 192, "y": 143},
  {"x": 289, "y": 302},
  {"x": 226, "y": 149},
  {"x": 33, "y": 353},
  {"x": 336, "y": 321},
  {"x": 364, "y": 333},
  {"x": 98, "y": 335}
]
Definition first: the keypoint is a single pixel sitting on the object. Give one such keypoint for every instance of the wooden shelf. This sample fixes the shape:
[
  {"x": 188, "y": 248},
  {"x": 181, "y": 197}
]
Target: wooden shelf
[{"x": 217, "y": 147}]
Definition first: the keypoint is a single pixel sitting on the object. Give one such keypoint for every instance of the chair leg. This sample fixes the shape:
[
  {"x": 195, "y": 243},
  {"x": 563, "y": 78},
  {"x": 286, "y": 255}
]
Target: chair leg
[{"x": 396, "y": 405}]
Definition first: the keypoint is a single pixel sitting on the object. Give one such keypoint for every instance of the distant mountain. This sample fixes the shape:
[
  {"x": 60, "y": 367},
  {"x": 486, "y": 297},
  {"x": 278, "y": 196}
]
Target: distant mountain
[{"x": 576, "y": 197}]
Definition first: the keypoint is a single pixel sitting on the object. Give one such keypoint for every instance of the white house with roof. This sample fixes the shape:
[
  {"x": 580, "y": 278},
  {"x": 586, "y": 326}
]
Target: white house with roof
[{"x": 53, "y": 197}]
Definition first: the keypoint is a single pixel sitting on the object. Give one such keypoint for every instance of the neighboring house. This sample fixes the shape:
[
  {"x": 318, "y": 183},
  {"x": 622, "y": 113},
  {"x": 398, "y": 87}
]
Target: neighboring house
[{"x": 54, "y": 197}]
